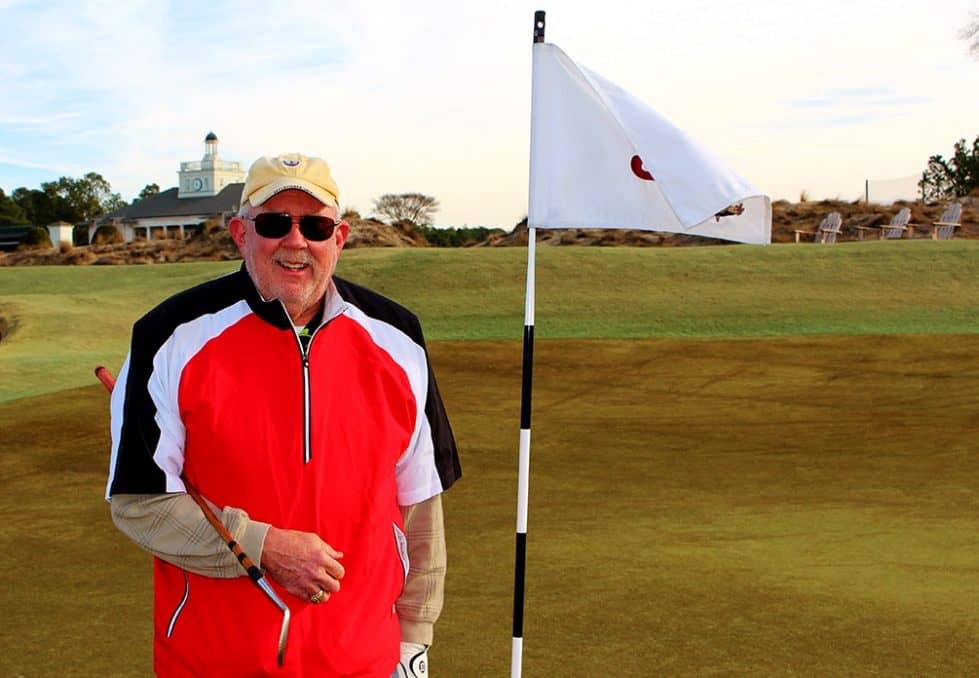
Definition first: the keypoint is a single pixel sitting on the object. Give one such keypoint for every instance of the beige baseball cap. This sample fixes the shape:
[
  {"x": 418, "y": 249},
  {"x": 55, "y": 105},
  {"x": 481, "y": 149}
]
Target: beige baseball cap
[{"x": 269, "y": 175}]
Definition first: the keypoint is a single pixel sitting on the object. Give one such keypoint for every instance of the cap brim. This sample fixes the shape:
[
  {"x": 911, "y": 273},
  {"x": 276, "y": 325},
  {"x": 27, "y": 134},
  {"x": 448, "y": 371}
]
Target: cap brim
[{"x": 291, "y": 183}]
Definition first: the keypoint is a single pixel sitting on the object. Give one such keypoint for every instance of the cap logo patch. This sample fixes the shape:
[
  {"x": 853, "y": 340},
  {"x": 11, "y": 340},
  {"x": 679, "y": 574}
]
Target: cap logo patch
[{"x": 291, "y": 163}]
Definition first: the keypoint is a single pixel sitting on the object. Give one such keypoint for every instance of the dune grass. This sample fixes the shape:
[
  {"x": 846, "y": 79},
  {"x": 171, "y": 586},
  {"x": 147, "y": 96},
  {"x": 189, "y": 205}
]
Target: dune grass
[
  {"x": 69, "y": 319},
  {"x": 768, "y": 506}
]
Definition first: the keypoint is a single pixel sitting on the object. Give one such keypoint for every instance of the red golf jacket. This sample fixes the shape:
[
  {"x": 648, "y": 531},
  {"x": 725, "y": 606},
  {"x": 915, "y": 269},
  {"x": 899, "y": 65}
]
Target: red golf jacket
[{"x": 330, "y": 439}]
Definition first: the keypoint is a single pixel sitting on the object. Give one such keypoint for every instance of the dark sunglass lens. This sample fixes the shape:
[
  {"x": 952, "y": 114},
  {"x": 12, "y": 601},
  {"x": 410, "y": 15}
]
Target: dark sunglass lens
[
  {"x": 314, "y": 227},
  {"x": 273, "y": 224}
]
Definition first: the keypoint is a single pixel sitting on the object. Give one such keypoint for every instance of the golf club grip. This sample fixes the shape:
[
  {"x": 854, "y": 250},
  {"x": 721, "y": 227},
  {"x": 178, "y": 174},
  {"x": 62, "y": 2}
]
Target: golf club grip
[
  {"x": 254, "y": 572},
  {"x": 105, "y": 377}
]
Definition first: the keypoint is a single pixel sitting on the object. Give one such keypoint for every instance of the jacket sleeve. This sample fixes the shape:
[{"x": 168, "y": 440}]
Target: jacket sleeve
[
  {"x": 421, "y": 600},
  {"x": 173, "y": 528}
]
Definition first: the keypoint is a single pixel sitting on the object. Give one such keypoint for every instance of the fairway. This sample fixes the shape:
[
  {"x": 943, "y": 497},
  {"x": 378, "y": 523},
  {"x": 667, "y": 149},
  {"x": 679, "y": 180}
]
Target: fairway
[
  {"x": 72, "y": 317},
  {"x": 746, "y": 461}
]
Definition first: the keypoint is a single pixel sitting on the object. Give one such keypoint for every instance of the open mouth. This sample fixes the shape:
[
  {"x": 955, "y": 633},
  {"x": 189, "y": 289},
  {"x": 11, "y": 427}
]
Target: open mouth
[{"x": 291, "y": 266}]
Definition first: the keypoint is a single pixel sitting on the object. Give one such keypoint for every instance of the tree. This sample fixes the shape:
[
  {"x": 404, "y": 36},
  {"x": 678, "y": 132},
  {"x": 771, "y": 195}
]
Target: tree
[
  {"x": 68, "y": 199},
  {"x": 88, "y": 197},
  {"x": 956, "y": 177},
  {"x": 414, "y": 207},
  {"x": 148, "y": 190},
  {"x": 10, "y": 212},
  {"x": 39, "y": 206}
]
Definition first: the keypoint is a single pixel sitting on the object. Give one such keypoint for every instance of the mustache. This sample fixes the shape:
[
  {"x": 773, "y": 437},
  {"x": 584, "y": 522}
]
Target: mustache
[{"x": 293, "y": 257}]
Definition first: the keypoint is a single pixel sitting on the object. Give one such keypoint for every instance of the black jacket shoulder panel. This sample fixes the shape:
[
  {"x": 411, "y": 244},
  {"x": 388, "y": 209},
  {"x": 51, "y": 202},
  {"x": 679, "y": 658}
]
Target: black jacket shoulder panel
[{"x": 380, "y": 307}]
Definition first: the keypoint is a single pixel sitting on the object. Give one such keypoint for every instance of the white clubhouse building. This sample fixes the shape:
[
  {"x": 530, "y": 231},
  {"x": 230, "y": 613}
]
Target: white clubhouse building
[{"x": 208, "y": 188}]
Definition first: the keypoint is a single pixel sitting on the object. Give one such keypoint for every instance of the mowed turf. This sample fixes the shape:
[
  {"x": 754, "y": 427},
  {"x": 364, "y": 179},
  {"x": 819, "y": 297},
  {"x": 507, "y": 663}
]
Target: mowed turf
[
  {"x": 773, "y": 506},
  {"x": 746, "y": 461},
  {"x": 69, "y": 318}
]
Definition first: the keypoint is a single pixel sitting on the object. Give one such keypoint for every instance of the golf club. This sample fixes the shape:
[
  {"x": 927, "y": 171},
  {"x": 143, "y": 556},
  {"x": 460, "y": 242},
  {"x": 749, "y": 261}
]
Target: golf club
[{"x": 254, "y": 572}]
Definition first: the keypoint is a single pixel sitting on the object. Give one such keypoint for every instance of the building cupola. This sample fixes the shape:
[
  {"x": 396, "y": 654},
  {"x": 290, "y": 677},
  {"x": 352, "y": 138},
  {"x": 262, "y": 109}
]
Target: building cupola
[
  {"x": 209, "y": 175},
  {"x": 211, "y": 146}
]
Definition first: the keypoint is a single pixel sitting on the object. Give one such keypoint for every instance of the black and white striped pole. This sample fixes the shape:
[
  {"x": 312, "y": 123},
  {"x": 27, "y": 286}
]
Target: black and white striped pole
[{"x": 526, "y": 391}]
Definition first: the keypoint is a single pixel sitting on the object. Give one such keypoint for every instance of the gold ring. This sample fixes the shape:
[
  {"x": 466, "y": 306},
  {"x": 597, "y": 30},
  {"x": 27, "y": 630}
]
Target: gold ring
[{"x": 318, "y": 597}]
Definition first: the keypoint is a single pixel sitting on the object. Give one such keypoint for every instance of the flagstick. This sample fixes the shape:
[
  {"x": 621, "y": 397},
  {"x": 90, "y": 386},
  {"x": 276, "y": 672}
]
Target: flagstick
[{"x": 523, "y": 464}]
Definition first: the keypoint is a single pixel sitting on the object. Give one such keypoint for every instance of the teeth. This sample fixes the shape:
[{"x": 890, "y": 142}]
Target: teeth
[{"x": 292, "y": 267}]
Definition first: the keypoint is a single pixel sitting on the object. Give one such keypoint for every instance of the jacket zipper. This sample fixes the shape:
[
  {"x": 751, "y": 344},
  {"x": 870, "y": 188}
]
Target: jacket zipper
[
  {"x": 304, "y": 355},
  {"x": 306, "y": 406}
]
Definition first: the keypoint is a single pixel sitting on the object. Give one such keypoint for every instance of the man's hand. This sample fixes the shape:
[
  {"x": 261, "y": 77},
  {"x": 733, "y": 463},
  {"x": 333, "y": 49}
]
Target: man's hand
[
  {"x": 302, "y": 562},
  {"x": 414, "y": 661}
]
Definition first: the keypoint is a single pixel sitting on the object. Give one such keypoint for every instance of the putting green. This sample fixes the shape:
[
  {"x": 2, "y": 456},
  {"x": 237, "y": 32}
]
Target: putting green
[{"x": 786, "y": 506}]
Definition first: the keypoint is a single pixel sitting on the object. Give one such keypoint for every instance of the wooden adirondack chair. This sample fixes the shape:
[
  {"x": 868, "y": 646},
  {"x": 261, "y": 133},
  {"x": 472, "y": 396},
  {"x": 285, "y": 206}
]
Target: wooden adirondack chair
[
  {"x": 898, "y": 226},
  {"x": 944, "y": 228},
  {"x": 827, "y": 230}
]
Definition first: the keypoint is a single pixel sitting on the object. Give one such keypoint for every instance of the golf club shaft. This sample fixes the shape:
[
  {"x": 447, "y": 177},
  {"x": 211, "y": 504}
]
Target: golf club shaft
[{"x": 254, "y": 572}]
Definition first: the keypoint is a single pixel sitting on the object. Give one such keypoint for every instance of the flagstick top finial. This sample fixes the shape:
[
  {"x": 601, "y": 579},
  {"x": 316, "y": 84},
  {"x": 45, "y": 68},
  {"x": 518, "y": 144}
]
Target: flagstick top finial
[{"x": 539, "y": 25}]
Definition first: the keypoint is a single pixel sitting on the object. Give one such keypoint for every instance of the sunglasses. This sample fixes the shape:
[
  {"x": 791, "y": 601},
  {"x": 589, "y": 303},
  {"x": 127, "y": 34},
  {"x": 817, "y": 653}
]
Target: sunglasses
[{"x": 314, "y": 227}]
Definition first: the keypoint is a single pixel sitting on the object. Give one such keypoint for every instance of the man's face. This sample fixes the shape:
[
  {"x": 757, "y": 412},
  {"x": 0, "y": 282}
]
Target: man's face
[{"x": 292, "y": 269}]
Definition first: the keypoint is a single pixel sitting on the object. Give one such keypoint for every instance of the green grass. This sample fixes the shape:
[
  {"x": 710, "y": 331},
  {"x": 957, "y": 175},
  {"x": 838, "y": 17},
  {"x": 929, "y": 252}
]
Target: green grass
[
  {"x": 800, "y": 506},
  {"x": 746, "y": 461},
  {"x": 735, "y": 291},
  {"x": 68, "y": 319},
  {"x": 71, "y": 318}
]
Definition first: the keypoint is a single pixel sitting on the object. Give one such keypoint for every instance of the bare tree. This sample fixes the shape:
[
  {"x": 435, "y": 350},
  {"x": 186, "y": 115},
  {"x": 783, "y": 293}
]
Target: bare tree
[
  {"x": 414, "y": 207},
  {"x": 971, "y": 34}
]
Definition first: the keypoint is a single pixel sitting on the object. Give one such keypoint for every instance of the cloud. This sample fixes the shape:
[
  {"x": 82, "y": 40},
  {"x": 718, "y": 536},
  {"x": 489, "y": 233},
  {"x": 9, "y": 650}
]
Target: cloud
[
  {"x": 434, "y": 96},
  {"x": 862, "y": 96}
]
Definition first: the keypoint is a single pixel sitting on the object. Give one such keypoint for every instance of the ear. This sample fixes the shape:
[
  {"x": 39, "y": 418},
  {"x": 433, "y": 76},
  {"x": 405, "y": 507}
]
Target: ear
[
  {"x": 236, "y": 227},
  {"x": 340, "y": 234}
]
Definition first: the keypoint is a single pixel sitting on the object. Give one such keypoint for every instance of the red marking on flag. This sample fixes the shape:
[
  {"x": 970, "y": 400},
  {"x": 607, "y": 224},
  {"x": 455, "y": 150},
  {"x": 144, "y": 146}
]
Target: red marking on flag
[{"x": 639, "y": 170}]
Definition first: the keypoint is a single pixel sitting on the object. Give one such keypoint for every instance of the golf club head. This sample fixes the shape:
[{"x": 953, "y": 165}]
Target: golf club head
[
  {"x": 283, "y": 635},
  {"x": 286, "y": 617}
]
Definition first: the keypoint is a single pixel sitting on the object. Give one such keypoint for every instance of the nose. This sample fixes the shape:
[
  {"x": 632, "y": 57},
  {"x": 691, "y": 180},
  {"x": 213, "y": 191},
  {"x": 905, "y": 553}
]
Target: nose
[{"x": 294, "y": 238}]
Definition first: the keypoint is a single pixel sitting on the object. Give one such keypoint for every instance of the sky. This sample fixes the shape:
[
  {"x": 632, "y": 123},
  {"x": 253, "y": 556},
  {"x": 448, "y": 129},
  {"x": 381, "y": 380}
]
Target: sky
[{"x": 434, "y": 96}]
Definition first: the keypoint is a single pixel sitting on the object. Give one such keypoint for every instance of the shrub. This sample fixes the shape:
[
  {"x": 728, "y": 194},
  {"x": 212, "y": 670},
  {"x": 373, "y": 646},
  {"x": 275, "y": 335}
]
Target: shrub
[
  {"x": 107, "y": 235},
  {"x": 211, "y": 229},
  {"x": 458, "y": 237},
  {"x": 35, "y": 239}
]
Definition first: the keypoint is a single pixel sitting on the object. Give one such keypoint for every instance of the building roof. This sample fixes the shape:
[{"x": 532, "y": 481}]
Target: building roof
[
  {"x": 10, "y": 235},
  {"x": 167, "y": 204}
]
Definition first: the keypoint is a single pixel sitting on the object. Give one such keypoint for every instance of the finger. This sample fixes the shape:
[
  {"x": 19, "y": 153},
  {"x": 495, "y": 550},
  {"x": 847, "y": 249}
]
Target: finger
[
  {"x": 328, "y": 583},
  {"x": 334, "y": 569}
]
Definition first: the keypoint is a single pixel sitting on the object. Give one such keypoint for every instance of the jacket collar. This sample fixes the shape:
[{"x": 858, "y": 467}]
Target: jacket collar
[{"x": 274, "y": 311}]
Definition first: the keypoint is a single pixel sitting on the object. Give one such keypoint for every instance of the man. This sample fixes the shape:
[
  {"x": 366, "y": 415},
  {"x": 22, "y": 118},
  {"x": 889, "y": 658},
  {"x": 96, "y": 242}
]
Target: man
[{"x": 304, "y": 405}]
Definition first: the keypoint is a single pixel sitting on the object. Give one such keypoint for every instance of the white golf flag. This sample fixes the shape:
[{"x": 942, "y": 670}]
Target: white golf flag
[{"x": 600, "y": 158}]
